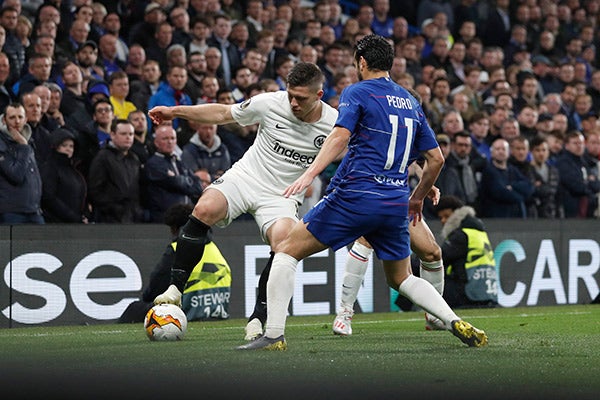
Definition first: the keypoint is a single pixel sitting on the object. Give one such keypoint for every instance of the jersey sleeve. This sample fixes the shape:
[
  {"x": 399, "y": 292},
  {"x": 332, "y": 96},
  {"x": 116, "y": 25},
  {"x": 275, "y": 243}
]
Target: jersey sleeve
[
  {"x": 349, "y": 108},
  {"x": 252, "y": 110}
]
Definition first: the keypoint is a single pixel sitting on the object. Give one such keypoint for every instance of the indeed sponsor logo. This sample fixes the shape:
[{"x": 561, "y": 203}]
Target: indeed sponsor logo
[
  {"x": 386, "y": 180},
  {"x": 293, "y": 156}
]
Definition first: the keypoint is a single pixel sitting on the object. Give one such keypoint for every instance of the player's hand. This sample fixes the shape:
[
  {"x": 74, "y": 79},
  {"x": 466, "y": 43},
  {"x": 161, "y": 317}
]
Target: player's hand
[
  {"x": 299, "y": 185},
  {"x": 434, "y": 195},
  {"x": 160, "y": 114},
  {"x": 415, "y": 211}
]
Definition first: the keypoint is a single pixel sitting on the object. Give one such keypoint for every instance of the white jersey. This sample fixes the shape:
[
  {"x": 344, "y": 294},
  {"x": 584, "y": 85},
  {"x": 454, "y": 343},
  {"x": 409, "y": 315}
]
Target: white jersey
[{"x": 284, "y": 146}]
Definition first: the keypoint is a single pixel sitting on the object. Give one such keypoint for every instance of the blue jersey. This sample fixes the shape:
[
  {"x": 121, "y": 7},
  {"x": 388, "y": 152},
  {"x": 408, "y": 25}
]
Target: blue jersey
[{"x": 389, "y": 131}]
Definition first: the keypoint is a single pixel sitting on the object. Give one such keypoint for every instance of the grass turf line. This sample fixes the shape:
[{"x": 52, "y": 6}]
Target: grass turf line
[{"x": 536, "y": 352}]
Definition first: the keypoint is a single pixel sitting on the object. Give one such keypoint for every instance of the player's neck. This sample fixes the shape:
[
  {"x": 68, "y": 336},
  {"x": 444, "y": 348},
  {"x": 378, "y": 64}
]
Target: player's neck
[
  {"x": 314, "y": 115},
  {"x": 374, "y": 74}
]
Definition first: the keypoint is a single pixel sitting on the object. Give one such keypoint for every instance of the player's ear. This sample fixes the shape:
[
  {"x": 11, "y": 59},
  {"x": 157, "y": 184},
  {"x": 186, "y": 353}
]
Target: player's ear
[{"x": 320, "y": 94}]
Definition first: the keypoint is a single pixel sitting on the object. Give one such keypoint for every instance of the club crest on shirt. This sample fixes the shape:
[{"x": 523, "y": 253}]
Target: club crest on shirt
[
  {"x": 245, "y": 104},
  {"x": 217, "y": 181},
  {"x": 319, "y": 141}
]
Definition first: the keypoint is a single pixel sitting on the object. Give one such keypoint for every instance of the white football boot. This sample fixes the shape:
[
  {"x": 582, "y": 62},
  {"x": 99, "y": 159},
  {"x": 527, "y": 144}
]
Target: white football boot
[
  {"x": 171, "y": 296},
  {"x": 342, "y": 324}
]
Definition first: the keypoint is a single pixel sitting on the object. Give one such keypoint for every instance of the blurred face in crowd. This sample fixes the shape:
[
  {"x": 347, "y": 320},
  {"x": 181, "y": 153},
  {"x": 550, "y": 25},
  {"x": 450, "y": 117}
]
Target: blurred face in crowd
[
  {"x": 139, "y": 122},
  {"x": 72, "y": 75},
  {"x": 66, "y": 147},
  {"x": 108, "y": 46},
  {"x": 87, "y": 56},
  {"x": 225, "y": 98},
  {"x": 243, "y": 78},
  {"x": 499, "y": 151},
  {"x": 119, "y": 88},
  {"x": 197, "y": 64},
  {"x": 137, "y": 56},
  {"x": 177, "y": 78},
  {"x": 33, "y": 108},
  {"x": 122, "y": 137},
  {"x": 519, "y": 149},
  {"x": 480, "y": 128},
  {"x": 55, "y": 99},
  {"x": 79, "y": 31},
  {"x": 14, "y": 118},
  {"x": 44, "y": 45},
  {"x": 509, "y": 129},
  {"x": 151, "y": 72},
  {"x": 592, "y": 143},
  {"x": 103, "y": 113},
  {"x": 528, "y": 117},
  {"x": 40, "y": 68},
  {"x": 4, "y": 68},
  {"x": 112, "y": 23},
  {"x": 210, "y": 87},
  {"x": 9, "y": 20},
  {"x": 452, "y": 123},
  {"x": 165, "y": 139},
  {"x": 461, "y": 146},
  {"x": 44, "y": 93},
  {"x": 540, "y": 153},
  {"x": 575, "y": 145}
]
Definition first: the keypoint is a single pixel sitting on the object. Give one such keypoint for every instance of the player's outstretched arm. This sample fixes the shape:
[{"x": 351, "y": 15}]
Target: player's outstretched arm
[
  {"x": 333, "y": 146},
  {"x": 431, "y": 170},
  {"x": 204, "y": 113}
]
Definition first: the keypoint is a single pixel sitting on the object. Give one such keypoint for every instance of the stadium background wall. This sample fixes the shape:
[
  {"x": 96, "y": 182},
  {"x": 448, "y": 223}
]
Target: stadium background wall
[{"x": 87, "y": 274}]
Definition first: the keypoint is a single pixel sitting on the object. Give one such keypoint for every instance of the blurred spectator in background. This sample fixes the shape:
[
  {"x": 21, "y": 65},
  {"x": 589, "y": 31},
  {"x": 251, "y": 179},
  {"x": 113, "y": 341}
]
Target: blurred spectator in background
[
  {"x": 143, "y": 89},
  {"x": 20, "y": 180},
  {"x": 6, "y": 94},
  {"x": 166, "y": 179},
  {"x": 64, "y": 187},
  {"x": 113, "y": 180},
  {"x": 205, "y": 150},
  {"x": 170, "y": 92},
  {"x": 45, "y": 95},
  {"x": 142, "y": 144},
  {"x": 118, "y": 84},
  {"x": 40, "y": 137},
  {"x": 504, "y": 190},
  {"x": 578, "y": 186},
  {"x": 546, "y": 193}
]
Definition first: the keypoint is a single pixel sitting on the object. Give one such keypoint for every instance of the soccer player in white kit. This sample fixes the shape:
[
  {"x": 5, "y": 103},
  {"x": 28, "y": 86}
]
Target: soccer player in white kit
[{"x": 293, "y": 124}]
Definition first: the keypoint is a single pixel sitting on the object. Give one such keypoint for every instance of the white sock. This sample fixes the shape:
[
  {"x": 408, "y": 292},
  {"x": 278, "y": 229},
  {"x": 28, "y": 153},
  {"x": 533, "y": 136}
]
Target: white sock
[
  {"x": 433, "y": 272},
  {"x": 356, "y": 268},
  {"x": 280, "y": 289},
  {"x": 425, "y": 296}
]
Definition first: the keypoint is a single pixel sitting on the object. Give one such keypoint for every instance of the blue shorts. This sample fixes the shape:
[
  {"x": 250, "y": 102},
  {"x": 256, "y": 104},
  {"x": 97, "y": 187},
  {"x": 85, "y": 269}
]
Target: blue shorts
[{"x": 337, "y": 227}]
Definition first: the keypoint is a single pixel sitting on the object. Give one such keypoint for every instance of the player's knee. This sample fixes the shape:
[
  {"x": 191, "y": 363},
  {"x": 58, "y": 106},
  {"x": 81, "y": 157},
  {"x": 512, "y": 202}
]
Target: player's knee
[{"x": 431, "y": 255}]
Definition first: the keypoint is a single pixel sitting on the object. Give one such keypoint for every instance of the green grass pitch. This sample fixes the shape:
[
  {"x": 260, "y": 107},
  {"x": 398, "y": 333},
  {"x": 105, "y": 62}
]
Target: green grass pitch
[{"x": 533, "y": 353}]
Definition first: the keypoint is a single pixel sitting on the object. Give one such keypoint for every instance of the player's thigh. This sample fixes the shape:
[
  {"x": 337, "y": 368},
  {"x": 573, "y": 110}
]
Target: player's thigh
[
  {"x": 237, "y": 193},
  {"x": 275, "y": 215},
  {"x": 422, "y": 242}
]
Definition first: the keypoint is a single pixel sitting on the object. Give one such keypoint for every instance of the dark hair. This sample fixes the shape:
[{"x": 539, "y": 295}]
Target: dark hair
[
  {"x": 377, "y": 52},
  {"x": 305, "y": 74},
  {"x": 117, "y": 121},
  {"x": 449, "y": 202},
  {"x": 537, "y": 140}
]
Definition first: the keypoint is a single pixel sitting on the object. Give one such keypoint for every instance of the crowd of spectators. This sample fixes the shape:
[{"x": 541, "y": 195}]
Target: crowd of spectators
[{"x": 512, "y": 88}]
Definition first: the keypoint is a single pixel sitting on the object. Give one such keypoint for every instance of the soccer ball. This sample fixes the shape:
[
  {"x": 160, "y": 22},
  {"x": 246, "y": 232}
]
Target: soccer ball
[{"x": 165, "y": 322}]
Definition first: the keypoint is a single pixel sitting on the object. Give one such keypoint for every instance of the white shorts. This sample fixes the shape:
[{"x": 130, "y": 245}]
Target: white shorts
[{"x": 244, "y": 194}]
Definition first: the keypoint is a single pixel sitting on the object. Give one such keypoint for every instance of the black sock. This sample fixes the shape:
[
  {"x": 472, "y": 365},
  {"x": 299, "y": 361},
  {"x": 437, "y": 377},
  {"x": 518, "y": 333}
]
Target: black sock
[
  {"x": 190, "y": 249},
  {"x": 260, "y": 308}
]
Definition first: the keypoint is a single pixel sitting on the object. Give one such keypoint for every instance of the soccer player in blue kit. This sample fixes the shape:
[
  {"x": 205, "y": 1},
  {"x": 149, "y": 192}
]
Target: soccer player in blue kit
[{"x": 383, "y": 127}]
